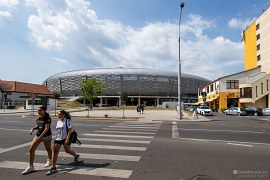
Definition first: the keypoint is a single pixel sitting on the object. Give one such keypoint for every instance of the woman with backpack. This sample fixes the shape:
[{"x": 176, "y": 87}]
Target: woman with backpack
[{"x": 63, "y": 132}]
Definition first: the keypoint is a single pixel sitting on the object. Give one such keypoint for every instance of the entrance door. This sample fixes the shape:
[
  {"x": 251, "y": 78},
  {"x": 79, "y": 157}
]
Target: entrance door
[{"x": 232, "y": 102}]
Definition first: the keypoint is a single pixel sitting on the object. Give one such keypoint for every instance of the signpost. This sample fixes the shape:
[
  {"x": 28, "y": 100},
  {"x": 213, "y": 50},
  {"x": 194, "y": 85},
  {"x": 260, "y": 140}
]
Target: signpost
[
  {"x": 204, "y": 102},
  {"x": 33, "y": 96}
]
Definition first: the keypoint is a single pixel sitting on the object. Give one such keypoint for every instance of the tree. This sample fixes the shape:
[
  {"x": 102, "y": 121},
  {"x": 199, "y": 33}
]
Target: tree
[
  {"x": 90, "y": 89},
  {"x": 124, "y": 98},
  {"x": 56, "y": 95}
]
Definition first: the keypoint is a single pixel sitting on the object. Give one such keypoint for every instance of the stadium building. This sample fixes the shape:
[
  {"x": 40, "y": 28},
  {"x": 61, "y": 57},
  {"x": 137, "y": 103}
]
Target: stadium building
[{"x": 150, "y": 86}]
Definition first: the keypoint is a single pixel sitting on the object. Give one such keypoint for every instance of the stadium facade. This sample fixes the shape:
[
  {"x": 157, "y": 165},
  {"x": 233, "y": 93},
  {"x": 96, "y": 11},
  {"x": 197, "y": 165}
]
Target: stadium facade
[{"x": 150, "y": 86}]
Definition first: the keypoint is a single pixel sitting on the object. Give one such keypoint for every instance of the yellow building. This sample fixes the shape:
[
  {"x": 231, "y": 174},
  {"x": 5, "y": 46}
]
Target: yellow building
[
  {"x": 257, "y": 43},
  {"x": 225, "y": 92},
  {"x": 252, "y": 86}
]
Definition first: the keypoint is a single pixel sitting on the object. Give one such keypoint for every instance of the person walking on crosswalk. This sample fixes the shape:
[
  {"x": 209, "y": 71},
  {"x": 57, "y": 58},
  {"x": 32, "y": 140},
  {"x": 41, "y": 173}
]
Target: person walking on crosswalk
[
  {"x": 44, "y": 135},
  {"x": 63, "y": 131}
]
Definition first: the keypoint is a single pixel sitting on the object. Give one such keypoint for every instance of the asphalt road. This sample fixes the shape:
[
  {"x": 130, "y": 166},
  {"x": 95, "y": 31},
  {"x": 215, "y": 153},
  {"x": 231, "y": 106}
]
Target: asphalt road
[{"x": 229, "y": 147}]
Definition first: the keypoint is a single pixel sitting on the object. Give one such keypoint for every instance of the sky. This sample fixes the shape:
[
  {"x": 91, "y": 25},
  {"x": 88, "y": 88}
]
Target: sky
[{"x": 41, "y": 38}]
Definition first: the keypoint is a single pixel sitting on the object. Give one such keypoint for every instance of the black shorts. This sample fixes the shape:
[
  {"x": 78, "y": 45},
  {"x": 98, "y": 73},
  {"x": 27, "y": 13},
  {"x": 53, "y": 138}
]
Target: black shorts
[{"x": 62, "y": 142}]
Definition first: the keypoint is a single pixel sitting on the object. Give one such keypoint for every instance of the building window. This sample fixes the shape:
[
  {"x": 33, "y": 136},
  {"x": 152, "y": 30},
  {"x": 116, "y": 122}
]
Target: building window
[
  {"x": 258, "y": 47},
  {"x": 258, "y": 26},
  {"x": 261, "y": 88},
  {"x": 267, "y": 85},
  {"x": 256, "y": 91},
  {"x": 232, "y": 84},
  {"x": 212, "y": 87},
  {"x": 258, "y": 57},
  {"x": 246, "y": 92},
  {"x": 258, "y": 37}
]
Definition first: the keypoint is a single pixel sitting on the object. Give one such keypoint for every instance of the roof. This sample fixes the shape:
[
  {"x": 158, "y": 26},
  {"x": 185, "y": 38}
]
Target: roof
[
  {"x": 119, "y": 71},
  {"x": 258, "y": 68},
  {"x": 14, "y": 86}
]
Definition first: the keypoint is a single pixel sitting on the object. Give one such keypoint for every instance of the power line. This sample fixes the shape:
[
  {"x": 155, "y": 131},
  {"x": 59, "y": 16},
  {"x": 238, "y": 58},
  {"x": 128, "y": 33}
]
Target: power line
[{"x": 205, "y": 53}]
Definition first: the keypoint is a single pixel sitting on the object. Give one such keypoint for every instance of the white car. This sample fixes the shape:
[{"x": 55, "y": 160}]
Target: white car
[
  {"x": 206, "y": 111},
  {"x": 199, "y": 108},
  {"x": 266, "y": 111},
  {"x": 235, "y": 111}
]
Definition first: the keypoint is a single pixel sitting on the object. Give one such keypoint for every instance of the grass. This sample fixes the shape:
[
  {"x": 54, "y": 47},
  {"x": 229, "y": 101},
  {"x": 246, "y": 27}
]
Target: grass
[
  {"x": 69, "y": 104},
  {"x": 75, "y": 104}
]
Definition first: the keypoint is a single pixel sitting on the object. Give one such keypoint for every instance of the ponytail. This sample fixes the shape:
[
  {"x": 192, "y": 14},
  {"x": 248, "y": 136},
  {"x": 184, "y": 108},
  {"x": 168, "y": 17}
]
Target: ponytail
[{"x": 66, "y": 114}]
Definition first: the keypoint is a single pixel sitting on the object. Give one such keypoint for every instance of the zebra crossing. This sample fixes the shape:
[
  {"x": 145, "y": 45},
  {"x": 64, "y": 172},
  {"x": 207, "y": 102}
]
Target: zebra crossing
[{"x": 124, "y": 138}]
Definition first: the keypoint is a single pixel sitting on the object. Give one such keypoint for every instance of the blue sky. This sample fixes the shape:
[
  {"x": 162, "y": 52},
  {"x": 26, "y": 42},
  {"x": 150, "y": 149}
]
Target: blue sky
[{"x": 41, "y": 38}]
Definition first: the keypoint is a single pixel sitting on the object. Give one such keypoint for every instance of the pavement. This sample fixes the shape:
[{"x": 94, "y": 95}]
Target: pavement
[{"x": 148, "y": 115}]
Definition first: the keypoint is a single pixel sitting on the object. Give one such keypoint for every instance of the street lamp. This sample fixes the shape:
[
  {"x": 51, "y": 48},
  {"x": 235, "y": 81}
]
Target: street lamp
[{"x": 179, "y": 69}]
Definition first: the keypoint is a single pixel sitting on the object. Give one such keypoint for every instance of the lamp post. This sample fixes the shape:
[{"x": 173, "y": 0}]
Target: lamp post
[{"x": 179, "y": 68}]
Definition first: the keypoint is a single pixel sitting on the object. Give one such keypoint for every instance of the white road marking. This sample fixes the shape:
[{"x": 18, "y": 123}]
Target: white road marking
[
  {"x": 175, "y": 133},
  {"x": 14, "y": 147},
  {"x": 139, "y": 125},
  {"x": 123, "y": 132},
  {"x": 17, "y": 147},
  {"x": 131, "y": 148},
  {"x": 122, "y": 136},
  {"x": 6, "y": 129},
  {"x": 264, "y": 119},
  {"x": 116, "y": 140},
  {"x": 255, "y": 132},
  {"x": 246, "y": 145},
  {"x": 136, "y": 122},
  {"x": 75, "y": 124},
  {"x": 135, "y": 127},
  {"x": 12, "y": 122},
  {"x": 192, "y": 139},
  {"x": 106, "y": 172},
  {"x": 130, "y": 129},
  {"x": 95, "y": 156},
  {"x": 224, "y": 141}
]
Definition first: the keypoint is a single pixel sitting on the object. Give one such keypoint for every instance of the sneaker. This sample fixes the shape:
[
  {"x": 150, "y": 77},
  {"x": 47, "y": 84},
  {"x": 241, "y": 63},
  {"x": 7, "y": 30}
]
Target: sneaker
[
  {"x": 28, "y": 170},
  {"x": 77, "y": 157},
  {"x": 52, "y": 171},
  {"x": 49, "y": 163}
]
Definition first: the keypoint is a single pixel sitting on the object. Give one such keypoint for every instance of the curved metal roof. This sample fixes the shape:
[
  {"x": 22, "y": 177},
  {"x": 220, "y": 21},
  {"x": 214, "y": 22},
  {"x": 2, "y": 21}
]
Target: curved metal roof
[{"x": 119, "y": 71}]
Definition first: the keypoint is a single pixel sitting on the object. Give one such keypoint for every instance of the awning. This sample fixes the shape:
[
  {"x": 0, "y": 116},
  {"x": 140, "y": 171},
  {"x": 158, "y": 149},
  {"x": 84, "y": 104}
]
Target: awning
[{"x": 209, "y": 100}]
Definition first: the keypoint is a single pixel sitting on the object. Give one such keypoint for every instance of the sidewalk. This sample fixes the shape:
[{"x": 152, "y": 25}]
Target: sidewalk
[{"x": 148, "y": 115}]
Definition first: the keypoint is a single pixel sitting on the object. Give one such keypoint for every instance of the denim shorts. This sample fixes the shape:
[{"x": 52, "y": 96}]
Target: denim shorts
[{"x": 44, "y": 138}]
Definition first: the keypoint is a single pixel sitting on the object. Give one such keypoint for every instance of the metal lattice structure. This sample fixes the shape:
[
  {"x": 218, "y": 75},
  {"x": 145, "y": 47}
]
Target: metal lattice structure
[{"x": 135, "y": 82}]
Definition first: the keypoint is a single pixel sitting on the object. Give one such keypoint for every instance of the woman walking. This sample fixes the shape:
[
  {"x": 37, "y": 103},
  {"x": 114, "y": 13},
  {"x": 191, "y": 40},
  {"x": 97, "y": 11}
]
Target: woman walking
[
  {"x": 44, "y": 135},
  {"x": 63, "y": 131}
]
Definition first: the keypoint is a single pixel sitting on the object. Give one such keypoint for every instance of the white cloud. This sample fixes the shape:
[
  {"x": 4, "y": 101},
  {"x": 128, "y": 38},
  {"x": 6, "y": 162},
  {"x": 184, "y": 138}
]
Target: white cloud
[
  {"x": 8, "y": 3},
  {"x": 241, "y": 24},
  {"x": 75, "y": 30},
  {"x": 5, "y": 14},
  {"x": 61, "y": 60},
  {"x": 6, "y": 7}
]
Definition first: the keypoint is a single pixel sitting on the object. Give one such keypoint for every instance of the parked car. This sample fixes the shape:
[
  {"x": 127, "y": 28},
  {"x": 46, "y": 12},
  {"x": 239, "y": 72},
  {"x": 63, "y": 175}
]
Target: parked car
[
  {"x": 253, "y": 111},
  {"x": 199, "y": 108},
  {"x": 266, "y": 111},
  {"x": 103, "y": 105},
  {"x": 235, "y": 111},
  {"x": 206, "y": 111},
  {"x": 192, "y": 108}
]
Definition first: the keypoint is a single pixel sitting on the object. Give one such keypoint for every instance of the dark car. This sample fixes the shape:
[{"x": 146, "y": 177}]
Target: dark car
[{"x": 253, "y": 111}]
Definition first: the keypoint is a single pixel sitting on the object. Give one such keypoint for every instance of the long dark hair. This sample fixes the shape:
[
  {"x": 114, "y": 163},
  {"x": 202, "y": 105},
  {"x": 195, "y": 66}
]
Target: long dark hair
[{"x": 66, "y": 114}]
